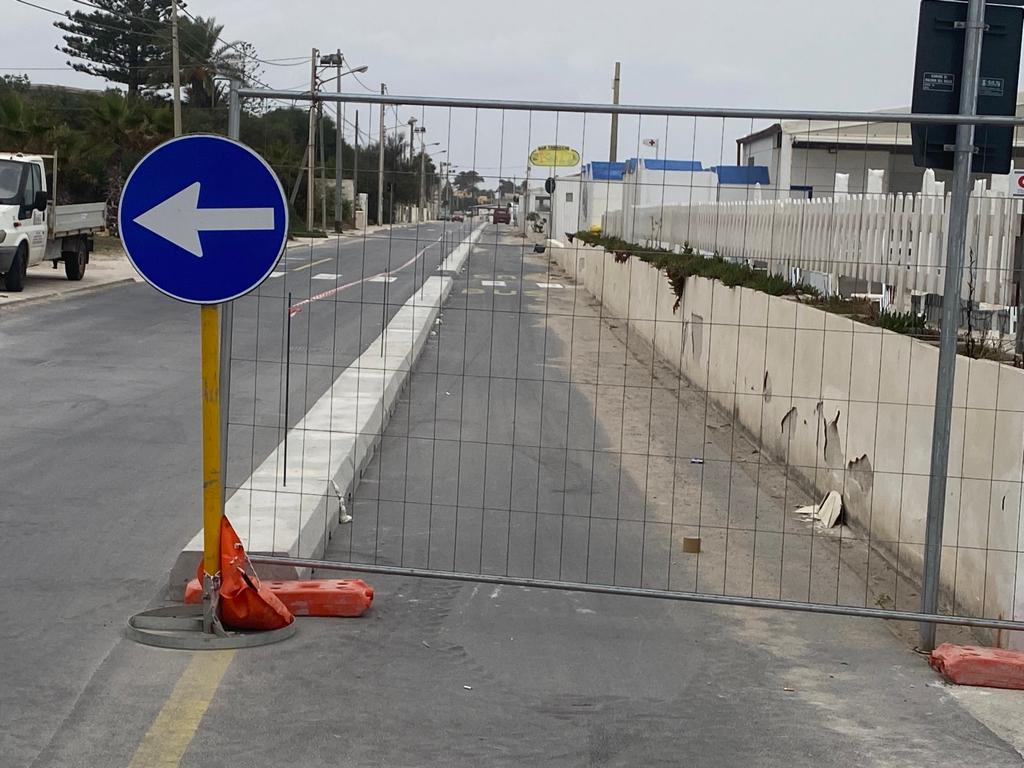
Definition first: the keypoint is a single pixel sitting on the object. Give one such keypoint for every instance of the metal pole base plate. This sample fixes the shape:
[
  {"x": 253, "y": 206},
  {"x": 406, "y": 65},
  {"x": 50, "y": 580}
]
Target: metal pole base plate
[{"x": 180, "y": 627}]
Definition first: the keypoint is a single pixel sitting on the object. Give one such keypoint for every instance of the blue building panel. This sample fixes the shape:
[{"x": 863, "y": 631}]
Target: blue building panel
[{"x": 742, "y": 174}]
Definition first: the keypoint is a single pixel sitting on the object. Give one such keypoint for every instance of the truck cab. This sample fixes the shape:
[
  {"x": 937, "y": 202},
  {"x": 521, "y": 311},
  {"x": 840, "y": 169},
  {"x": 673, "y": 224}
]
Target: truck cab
[
  {"x": 33, "y": 229},
  {"x": 23, "y": 215}
]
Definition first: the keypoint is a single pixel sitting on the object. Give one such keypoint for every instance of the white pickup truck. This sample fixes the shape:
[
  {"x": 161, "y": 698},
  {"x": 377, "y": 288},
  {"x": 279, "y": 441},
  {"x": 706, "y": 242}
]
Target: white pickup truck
[{"x": 33, "y": 229}]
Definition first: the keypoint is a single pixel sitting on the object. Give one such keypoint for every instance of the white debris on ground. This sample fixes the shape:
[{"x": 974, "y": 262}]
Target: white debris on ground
[{"x": 829, "y": 512}]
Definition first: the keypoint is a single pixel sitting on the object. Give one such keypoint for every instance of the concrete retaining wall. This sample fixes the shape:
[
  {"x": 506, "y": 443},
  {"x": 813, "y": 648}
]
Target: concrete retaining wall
[{"x": 848, "y": 407}]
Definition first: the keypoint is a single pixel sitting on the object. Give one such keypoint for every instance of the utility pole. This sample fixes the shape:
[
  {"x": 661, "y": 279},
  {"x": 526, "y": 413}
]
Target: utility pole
[
  {"x": 423, "y": 176},
  {"x": 380, "y": 164},
  {"x": 614, "y": 148},
  {"x": 339, "y": 195},
  {"x": 311, "y": 144},
  {"x": 323, "y": 168},
  {"x": 956, "y": 243},
  {"x": 355, "y": 168},
  {"x": 176, "y": 65}
]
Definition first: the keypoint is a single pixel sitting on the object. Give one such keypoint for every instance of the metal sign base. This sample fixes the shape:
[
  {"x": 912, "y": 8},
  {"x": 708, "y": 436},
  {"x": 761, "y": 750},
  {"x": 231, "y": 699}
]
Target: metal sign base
[{"x": 180, "y": 627}]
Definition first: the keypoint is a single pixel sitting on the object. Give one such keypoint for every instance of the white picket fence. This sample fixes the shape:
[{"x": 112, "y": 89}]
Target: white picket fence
[{"x": 895, "y": 239}]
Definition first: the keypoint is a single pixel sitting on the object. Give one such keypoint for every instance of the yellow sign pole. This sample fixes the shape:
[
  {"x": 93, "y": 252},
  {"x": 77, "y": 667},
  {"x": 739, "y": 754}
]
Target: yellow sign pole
[{"x": 213, "y": 499}]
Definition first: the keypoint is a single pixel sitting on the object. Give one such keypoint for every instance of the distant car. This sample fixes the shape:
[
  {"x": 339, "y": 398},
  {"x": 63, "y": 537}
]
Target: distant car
[
  {"x": 458, "y": 217},
  {"x": 502, "y": 216}
]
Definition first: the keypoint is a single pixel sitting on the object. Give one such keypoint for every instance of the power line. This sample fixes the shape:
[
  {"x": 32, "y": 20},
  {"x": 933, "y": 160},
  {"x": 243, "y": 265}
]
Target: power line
[
  {"x": 65, "y": 68},
  {"x": 365, "y": 86},
  {"x": 69, "y": 17},
  {"x": 41, "y": 8},
  {"x": 234, "y": 45}
]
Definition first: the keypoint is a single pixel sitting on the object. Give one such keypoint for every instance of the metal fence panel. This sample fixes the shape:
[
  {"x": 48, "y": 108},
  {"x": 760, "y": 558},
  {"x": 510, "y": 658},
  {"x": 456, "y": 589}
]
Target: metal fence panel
[{"x": 633, "y": 386}]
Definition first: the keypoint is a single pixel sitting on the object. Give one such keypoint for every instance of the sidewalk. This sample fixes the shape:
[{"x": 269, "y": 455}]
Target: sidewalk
[{"x": 107, "y": 267}]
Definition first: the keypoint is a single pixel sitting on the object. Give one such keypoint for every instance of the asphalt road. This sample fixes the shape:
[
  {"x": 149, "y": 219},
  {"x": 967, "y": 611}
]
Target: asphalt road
[
  {"x": 342, "y": 294},
  {"x": 99, "y": 449},
  {"x": 102, "y": 489}
]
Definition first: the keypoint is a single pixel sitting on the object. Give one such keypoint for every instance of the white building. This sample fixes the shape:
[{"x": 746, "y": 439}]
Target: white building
[
  {"x": 600, "y": 192},
  {"x": 741, "y": 183},
  {"x": 804, "y": 156},
  {"x": 651, "y": 182}
]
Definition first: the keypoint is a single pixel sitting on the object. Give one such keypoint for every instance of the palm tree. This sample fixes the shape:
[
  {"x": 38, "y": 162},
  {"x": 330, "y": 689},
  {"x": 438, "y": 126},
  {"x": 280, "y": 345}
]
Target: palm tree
[
  {"x": 202, "y": 56},
  {"x": 20, "y": 127},
  {"x": 122, "y": 128}
]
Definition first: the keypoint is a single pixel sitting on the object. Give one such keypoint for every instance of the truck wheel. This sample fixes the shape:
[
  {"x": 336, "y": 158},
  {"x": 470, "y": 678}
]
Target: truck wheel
[
  {"x": 14, "y": 280},
  {"x": 75, "y": 261}
]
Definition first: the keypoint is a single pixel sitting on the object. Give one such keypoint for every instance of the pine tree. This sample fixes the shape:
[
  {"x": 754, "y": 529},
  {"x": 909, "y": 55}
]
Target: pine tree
[{"x": 120, "y": 41}]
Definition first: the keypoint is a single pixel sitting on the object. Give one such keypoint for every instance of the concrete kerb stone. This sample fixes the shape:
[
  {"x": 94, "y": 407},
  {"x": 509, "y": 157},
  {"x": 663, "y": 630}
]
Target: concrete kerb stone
[{"x": 333, "y": 441}]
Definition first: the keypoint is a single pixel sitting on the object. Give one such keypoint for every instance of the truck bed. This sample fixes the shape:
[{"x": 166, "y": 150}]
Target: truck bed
[{"x": 78, "y": 219}]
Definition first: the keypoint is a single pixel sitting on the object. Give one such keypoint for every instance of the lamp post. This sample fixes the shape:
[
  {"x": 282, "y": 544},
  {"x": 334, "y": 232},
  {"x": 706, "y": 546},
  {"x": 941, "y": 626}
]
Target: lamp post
[
  {"x": 337, "y": 60},
  {"x": 423, "y": 173},
  {"x": 412, "y": 129}
]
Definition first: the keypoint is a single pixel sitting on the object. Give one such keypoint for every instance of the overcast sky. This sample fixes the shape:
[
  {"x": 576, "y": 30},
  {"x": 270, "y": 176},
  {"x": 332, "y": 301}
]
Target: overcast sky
[{"x": 786, "y": 54}]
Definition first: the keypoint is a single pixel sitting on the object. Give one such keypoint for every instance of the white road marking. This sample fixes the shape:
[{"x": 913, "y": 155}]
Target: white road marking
[
  {"x": 493, "y": 283},
  {"x": 382, "y": 279},
  {"x": 327, "y": 276},
  {"x": 550, "y": 285},
  {"x": 277, "y": 274}
]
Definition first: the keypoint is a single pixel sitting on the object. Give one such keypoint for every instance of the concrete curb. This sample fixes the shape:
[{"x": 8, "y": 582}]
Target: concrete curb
[{"x": 333, "y": 441}]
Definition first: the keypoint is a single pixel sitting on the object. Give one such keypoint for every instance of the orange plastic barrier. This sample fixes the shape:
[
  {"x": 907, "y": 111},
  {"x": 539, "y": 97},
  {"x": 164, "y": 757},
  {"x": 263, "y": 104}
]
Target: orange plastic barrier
[
  {"x": 973, "y": 665},
  {"x": 245, "y": 603},
  {"x": 340, "y": 598}
]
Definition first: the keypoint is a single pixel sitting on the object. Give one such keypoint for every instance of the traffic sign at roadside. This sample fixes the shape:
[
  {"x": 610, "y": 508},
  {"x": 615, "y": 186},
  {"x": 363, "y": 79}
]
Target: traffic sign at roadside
[
  {"x": 1017, "y": 184},
  {"x": 203, "y": 219}
]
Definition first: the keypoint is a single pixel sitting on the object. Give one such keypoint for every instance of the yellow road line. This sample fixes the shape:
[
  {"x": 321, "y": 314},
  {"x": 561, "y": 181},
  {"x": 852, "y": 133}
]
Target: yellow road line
[
  {"x": 167, "y": 739},
  {"x": 311, "y": 264}
]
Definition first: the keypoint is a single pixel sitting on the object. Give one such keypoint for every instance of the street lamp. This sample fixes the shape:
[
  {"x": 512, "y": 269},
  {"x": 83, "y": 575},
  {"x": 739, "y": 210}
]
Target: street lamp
[
  {"x": 423, "y": 171},
  {"x": 436, "y": 194},
  {"x": 413, "y": 129},
  {"x": 337, "y": 59},
  {"x": 357, "y": 70}
]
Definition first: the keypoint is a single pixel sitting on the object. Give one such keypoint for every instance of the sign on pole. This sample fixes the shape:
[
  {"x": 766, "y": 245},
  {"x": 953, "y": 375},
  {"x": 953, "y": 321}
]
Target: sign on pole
[
  {"x": 938, "y": 77},
  {"x": 203, "y": 219},
  {"x": 555, "y": 156},
  {"x": 1017, "y": 184}
]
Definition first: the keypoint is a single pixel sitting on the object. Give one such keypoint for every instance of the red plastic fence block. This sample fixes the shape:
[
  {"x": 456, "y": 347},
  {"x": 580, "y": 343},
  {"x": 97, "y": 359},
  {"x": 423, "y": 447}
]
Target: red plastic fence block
[
  {"x": 341, "y": 598},
  {"x": 973, "y": 665}
]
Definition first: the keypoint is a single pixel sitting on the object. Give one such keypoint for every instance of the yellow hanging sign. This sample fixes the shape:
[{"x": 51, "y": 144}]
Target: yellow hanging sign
[{"x": 555, "y": 156}]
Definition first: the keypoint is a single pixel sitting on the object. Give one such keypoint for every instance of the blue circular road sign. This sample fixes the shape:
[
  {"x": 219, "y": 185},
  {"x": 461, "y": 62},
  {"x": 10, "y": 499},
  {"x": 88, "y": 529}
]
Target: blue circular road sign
[{"x": 203, "y": 219}]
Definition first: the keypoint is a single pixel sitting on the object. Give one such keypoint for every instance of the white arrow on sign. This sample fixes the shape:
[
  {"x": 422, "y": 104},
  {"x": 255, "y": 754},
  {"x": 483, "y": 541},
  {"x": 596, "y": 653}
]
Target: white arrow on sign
[{"x": 179, "y": 219}]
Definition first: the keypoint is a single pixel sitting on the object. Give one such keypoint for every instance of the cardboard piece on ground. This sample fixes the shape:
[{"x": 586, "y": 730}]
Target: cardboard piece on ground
[{"x": 829, "y": 512}]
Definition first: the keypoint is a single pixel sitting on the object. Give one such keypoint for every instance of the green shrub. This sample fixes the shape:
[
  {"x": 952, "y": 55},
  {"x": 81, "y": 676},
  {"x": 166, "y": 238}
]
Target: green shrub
[
  {"x": 901, "y": 322},
  {"x": 678, "y": 267}
]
